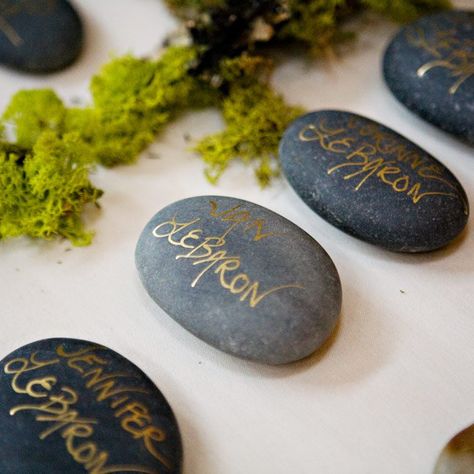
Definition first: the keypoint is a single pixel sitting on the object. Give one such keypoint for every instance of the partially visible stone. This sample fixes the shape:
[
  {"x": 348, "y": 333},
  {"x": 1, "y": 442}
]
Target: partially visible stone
[
  {"x": 240, "y": 277},
  {"x": 39, "y": 36},
  {"x": 372, "y": 183},
  {"x": 458, "y": 455},
  {"x": 70, "y": 406},
  {"x": 429, "y": 67}
]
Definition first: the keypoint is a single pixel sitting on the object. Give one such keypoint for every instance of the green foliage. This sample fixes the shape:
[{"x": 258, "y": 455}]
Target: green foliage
[
  {"x": 316, "y": 23},
  {"x": 184, "y": 6},
  {"x": 33, "y": 111},
  {"x": 406, "y": 10},
  {"x": 45, "y": 189},
  {"x": 44, "y": 175},
  {"x": 133, "y": 99},
  {"x": 255, "y": 118}
]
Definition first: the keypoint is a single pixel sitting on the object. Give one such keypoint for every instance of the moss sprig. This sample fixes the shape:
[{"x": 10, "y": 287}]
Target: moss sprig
[
  {"x": 45, "y": 189},
  {"x": 255, "y": 117}
]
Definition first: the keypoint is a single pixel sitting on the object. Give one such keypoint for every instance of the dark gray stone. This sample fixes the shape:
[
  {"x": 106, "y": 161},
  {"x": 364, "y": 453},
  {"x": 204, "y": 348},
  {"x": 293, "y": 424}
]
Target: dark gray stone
[
  {"x": 39, "y": 36},
  {"x": 70, "y": 406},
  {"x": 240, "y": 277},
  {"x": 429, "y": 68},
  {"x": 372, "y": 183}
]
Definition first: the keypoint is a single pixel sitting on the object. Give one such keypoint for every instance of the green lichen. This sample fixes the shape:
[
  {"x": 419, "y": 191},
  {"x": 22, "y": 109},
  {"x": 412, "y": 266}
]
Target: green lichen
[
  {"x": 317, "y": 23},
  {"x": 32, "y": 112},
  {"x": 133, "y": 99},
  {"x": 44, "y": 174},
  {"x": 255, "y": 118},
  {"x": 406, "y": 10},
  {"x": 46, "y": 189}
]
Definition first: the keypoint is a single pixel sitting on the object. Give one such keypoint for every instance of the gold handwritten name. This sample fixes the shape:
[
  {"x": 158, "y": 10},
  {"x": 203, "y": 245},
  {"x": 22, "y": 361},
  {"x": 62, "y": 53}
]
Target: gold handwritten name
[
  {"x": 135, "y": 417},
  {"x": 382, "y": 156},
  {"x": 209, "y": 253},
  {"x": 57, "y": 407},
  {"x": 449, "y": 52}
]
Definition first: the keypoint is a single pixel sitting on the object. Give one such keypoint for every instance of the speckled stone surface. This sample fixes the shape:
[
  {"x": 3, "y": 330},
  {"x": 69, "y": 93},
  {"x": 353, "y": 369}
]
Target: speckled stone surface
[
  {"x": 458, "y": 455},
  {"x": 39, "y": 36},
  {"x": 70, "y": 406},
  {"x": 240, "y": 277},
  {"x": 372, "y": 183},
  {"x": 429, "y": 68}
]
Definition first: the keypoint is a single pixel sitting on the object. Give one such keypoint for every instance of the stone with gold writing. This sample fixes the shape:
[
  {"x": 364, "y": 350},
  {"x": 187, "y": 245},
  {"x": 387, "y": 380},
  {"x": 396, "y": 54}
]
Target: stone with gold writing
[
  {"x": 429, "y": 67},
  {"x": 458, "y": 455},
  {"x": 39, "y": 36},
  {"x": 240, "y": 277},
  {"x": 372, "y": 183},
  {"x": 71, "y": 406}
]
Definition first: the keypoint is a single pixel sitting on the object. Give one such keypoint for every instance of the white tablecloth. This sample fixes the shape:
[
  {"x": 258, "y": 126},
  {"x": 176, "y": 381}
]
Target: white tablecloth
[{"x": 397, "y": 381}]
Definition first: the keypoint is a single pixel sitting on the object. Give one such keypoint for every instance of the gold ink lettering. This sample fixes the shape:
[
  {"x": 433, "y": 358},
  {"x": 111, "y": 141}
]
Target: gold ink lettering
[
  {"x": 58, "y": 411},
  {"x": 255, "y": 298},
  {"x": 106, "y": 384},
  {"x": 18, "y": 367},
  {"x": 211, "y": 256},
  {"x": 368, "y": 160},
  {"x": 449, "y": 52},
  {"x": 136, "y": 420}
]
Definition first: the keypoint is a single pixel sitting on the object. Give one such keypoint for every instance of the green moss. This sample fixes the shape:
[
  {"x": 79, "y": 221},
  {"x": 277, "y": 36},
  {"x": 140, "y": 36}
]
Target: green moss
[
  {"x": 187, "y": 7},
  {"x": 33, "y": 111},
  {"x": 133, "y": 100},
  {"x": 406, "y": 10},
  {"x": 44, "y": 175},
  {"x": 45, "y": 190},
  {"x": 255, "y": 118},
  {"x": 316, "y": 23}
]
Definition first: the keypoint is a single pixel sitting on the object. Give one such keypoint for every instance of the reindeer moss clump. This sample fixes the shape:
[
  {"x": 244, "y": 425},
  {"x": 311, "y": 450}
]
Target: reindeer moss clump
[
  {"x": 318, "y": 24},
  {"x": 406, "y": 10},
  {"x": 255, "y": 118},
  {"x": 133, "y": 99},
  {"x": 44, "y": 173},
  {"x": 45, "y": 189}
]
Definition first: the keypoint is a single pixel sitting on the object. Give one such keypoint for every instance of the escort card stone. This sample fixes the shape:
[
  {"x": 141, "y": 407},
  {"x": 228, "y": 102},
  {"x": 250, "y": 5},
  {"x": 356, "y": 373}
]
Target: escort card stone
[
  {"x": 458, "y": 455},
  {"x": 372, "y": 183},
  {"x": 429, "y": 66},
  {"x": 70, "y": 406},
  {"x": 39, "y": 36},
  {"x": 240, "y": 277}
]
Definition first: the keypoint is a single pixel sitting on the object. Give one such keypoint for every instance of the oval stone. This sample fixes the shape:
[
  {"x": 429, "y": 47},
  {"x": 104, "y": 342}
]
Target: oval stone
[
  {"x": 73, "y": 406},
  {"x": 240, "y": 277},
  {"x": 458, "y": 455},
  {"x": 39, "y": 36},
  {"x": 372, "y": 183},
  {"x": 429, "y": 68}
]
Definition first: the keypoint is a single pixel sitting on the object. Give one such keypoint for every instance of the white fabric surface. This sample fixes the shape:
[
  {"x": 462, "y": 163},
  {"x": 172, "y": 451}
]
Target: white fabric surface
[{"x": 397, "y": 381}]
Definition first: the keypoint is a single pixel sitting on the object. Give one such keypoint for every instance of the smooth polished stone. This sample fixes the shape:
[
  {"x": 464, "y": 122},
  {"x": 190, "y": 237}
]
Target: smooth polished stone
[
  {"x": 458, "y": 455},
  {"x": 429, "y": 67},
  {"x": 372, "y": 183},
  {"x": 72, "y": 406},
  {"x": 39, "y": 36},
  {"x": 240, "y": 277}
]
